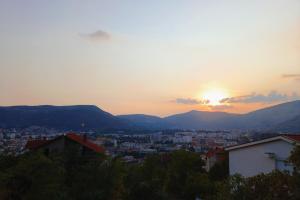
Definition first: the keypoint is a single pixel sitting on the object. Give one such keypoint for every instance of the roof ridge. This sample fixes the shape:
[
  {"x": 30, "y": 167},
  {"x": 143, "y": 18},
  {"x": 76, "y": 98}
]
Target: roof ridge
[
  {"x": 34, "y": 144},
  {"x": 85, "y": 142},
  {"x": 270, "y": 139}
]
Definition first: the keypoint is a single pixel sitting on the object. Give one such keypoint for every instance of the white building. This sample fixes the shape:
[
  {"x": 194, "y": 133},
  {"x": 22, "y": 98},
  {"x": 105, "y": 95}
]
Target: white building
[
  {"x": 182, "y": 139},
  {"x": 262, "y": 156}
]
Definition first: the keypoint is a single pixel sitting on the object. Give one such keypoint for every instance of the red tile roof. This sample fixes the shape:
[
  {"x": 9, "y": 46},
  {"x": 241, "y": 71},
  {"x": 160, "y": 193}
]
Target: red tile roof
[
  {"x": 214, "y": 152},
  {"x": 85, "y": 142},
  {"x": 35, "y": 144},
  {"x": 293, "y": 137}
]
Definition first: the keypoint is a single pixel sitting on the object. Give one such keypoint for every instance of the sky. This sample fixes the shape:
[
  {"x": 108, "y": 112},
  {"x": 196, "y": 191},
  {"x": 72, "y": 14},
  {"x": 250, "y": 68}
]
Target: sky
[{"x": 153, "y": 57}]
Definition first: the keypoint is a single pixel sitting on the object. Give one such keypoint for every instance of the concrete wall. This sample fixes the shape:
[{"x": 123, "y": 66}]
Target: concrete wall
[
  {"x": 55, "y": 146},
  {"x": 252, "y": 160}
]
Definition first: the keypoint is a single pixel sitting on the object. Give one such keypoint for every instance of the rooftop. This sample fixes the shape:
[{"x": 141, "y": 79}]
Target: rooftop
[
  {"x": 35, "y": 144},
  {"x": 291, "y": 138}
]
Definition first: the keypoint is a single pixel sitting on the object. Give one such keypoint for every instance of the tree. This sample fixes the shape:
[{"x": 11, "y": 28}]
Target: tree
[
  {"x": 276, "y": 185},
  {"x": 199, "y": 185},
  {"x": 295, "y": 158},
  {"x": 146, "y": 181},
  {"x": 181, "y": 167},
  {"x": 32, "y": 176},
  {"x": 220, "y": 170},
  {"x": 97, "y": 180},
  {"x": 177, "y": 175}
]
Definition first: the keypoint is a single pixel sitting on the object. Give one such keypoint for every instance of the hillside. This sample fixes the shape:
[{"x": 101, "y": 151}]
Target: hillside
[
  {"x": 282, "y": 117},
  {"x": 202, "y": 120},
  {"x": 271, "y": 117},
  {"x": 290, "y": 126},
  {"x": 59, "y": 117},
  {"x": 145, "y": 121},
  {"x": 263, "y": 119}
]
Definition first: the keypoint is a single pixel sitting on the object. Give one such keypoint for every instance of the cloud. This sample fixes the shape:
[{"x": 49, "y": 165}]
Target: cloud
[
  {"x": 190, "y": 101},
  {"x": 291, "y": 76},
  {"x": 98, "y": 35},
  {"x": 272, "y": 97}
]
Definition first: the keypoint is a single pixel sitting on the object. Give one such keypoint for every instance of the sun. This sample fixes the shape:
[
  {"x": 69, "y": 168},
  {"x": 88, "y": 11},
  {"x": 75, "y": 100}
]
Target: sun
[{"x": 214, "y": 96}]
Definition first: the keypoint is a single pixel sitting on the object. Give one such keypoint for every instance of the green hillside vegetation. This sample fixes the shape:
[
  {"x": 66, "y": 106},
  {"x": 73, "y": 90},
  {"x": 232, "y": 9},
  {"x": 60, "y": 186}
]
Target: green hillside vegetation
[{"x": 175, "y": 176}]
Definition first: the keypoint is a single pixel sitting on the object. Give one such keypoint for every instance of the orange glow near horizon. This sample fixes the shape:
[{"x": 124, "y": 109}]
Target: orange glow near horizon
[{"x": 200, "y": 53}]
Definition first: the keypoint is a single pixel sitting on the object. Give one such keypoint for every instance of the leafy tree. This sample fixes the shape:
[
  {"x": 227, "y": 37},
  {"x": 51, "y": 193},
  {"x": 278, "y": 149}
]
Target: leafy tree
[
  {"x": 295, "y": 158},
  {"x": 274, "y": 186},
  {"x": 146, "y": 181},
  {"x": 236, "y": 189},
  {"x": 199, "y": 185},
  {"x": 67, "y": 176},
  {"x": 33, "y": 176},
  {"x": 220, "y": 170},
  {"x": 173, "y": 176},
  {"x": 177, "y": 175},
  {"x": 96, "y": 180}
]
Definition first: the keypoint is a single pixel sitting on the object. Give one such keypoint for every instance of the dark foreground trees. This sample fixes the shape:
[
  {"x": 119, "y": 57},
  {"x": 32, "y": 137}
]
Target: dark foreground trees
[
  {"x": 31, "y": 176},
  {"x": 178, "y": 175},
  {"x": 36, "y": 176}
]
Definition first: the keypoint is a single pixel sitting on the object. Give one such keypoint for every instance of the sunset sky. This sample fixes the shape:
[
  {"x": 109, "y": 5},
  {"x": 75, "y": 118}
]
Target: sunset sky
[{"x": 154, "y": 57}]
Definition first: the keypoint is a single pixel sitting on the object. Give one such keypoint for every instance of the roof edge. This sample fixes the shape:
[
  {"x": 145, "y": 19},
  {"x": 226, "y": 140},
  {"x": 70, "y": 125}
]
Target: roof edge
[{"x": 267, "y": 140}]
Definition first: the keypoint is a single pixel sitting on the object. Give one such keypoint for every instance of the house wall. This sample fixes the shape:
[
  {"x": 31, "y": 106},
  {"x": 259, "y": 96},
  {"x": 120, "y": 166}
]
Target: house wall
[
  {"x": 210, "y": 162},
  {"x": 55, "y": 146},
  {"x": 252, "y": 160},
  {"x": 82, "y": 150}
]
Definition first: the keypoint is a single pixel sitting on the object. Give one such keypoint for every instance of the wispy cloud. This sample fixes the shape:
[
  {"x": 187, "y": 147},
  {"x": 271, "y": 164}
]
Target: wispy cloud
[
  {"x": 291, "y": 76},
  {"x": 98, "y": 35},
  {"x": 190, "y": 101},
  {"x": 271, "y": 97}
]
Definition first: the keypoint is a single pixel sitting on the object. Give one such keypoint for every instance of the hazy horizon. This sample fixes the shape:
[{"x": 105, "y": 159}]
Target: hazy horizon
[
  {"x": 150, "y": 57},
  {"x": 156, "y": 115}
]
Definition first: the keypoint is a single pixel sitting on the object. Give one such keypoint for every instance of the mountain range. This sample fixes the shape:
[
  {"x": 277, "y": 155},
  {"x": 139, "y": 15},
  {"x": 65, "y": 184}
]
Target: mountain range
[
  {"x": 59, "y": 117},
  {"x": 283, "y": 117}
]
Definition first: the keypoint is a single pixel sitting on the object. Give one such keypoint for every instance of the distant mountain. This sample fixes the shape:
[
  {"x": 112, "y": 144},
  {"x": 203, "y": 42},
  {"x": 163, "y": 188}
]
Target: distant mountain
[
  {"x": 145, "y": 121},
  {"x": 282, "y": 117},
  {"x": 270, "y": 117},
  {"x": 202, "y": 120},
  {"x": 290, "y": 126},
  {"x": 189, "y": 120},
  {"x": 264, "y": 119},
  {"x": 59, "y": 117}
]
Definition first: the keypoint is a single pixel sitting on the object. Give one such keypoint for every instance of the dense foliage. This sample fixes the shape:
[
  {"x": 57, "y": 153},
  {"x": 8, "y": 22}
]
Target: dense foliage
[{"x": 178, "y": 175}]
